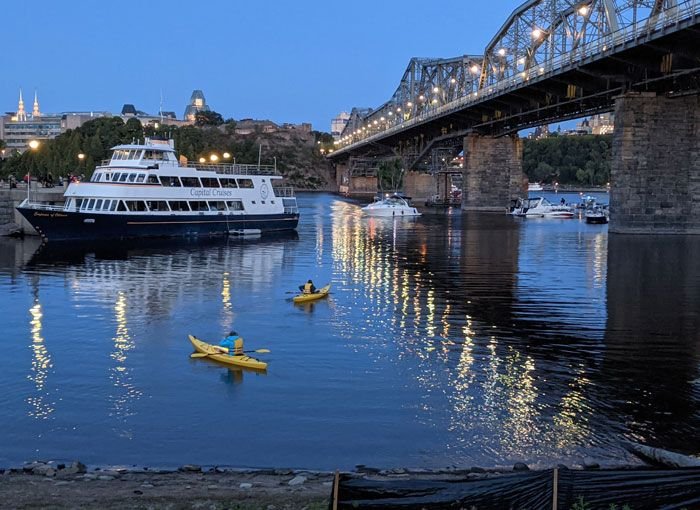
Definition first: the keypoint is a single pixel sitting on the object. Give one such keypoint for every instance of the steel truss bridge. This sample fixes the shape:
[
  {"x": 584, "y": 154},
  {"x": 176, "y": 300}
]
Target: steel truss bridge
[{"x": 552, "y": 60}]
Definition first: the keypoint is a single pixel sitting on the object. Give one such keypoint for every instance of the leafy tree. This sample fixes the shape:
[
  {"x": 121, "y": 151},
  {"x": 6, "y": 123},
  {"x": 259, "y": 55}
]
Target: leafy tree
[
  {"x": 390, "y": 175},
  {"x": 210, "y": 118}
]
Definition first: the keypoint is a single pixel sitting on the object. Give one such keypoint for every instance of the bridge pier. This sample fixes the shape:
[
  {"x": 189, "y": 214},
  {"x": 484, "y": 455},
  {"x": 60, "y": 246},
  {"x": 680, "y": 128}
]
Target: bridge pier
[
  {"x": 655, "y": 170},
  {"x": 493, "y": 172}
]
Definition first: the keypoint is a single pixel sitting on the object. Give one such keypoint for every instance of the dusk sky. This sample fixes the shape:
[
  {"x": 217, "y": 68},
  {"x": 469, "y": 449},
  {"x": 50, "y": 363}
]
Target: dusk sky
[{"x": 279, "y": 60}]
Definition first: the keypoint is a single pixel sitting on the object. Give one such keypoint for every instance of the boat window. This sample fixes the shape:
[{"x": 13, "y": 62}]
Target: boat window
[
  {"x": 272, "y": 201},
  {"x": 234, "y": 205},
  {"x": 121, "y": 206},
  {"x": 134, "y": 154},
  {"x": 190, "y": 182},
  {"x": 105, "y": 205},
  {"x": 217, "y": 206},
  {"x": 153, "y": 179},
  {"x": 132, "y": 177},
  {"x": 108, "y": 177},
  {"x": 78, "y": 203},
  {"x": 122, "y": 177},
  {"x": 245, "y": 183},
  {"x": 199, "y": 205},
  {"x": 90, "y": 204},
  {"x": 170, "y": 180},
  {"x": 140, "y": 177},
  {"x": 179, "y": 206},
  {"x": 158, "y": 205},
  {"x": 136, "y": 205},
  {"x": 210, "y": 182},
  {"x": 228, "y": 183},
  {"x": 253, "y": 201},
  {"x": 98, "y": 205},
  {"x": 113, "y": 205}
]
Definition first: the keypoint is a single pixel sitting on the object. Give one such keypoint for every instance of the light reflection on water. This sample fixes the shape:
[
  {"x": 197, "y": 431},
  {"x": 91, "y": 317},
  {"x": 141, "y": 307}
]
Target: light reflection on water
[{"x": 446, "y": 340}]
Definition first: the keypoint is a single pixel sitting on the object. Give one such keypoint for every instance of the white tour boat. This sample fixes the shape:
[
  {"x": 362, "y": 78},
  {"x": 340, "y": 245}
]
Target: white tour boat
[
  {"x": 391, "y": 206},
  {"x": 143, "y": 191},
  {"x": 540, "y": 207}
]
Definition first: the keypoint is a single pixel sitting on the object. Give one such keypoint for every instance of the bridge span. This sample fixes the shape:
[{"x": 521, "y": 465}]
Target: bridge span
[{"x": 553, "y": 60}]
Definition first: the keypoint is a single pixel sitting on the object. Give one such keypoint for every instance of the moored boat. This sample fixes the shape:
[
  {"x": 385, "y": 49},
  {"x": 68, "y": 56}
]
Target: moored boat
[
  {"x": 597, "y": 215},
  {"x": 143, "y": 191},
  {"x": 219, "y": 354},
  {"x": 391, "y": 206},
  {"x": 320, "y": 293},
  {"x": 540, "y": 207}
]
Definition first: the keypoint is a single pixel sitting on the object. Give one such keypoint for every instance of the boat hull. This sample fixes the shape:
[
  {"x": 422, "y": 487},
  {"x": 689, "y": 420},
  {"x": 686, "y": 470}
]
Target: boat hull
[
  {"x": 215, "y": 353},
  {"x": 597, "y": 220},
  {"x": 55, "y": 225},
  {"x": 305, "y": 298},
  {"x": 391, "y": 212}
]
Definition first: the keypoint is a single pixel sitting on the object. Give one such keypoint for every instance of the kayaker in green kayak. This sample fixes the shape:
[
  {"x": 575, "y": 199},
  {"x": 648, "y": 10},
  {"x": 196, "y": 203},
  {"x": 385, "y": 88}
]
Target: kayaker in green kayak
[
  {"x": 233, "y": 343},
  {"x": 308, "y": 288}
]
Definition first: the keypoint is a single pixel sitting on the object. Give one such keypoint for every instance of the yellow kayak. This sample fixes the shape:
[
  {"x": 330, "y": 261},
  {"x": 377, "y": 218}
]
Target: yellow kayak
[
  {"x": 322, "y": 292},
  {"x": 216, "y": 353}
]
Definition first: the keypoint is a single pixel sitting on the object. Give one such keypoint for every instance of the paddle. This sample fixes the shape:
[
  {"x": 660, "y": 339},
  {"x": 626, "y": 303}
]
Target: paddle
[{"x": 204, "y": 354}]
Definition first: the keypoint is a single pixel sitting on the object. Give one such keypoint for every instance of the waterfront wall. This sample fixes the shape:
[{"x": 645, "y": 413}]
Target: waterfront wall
[
  {"x": 419, "y": 186},
  {"x": 493, "y": 172},
  {"x": 10, "y": 219},
  {"x": 655, "y": 170}
]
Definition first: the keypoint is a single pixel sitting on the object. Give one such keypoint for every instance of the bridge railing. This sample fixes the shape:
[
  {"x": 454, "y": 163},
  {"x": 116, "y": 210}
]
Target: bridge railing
[{"x": 599, "y": 47}]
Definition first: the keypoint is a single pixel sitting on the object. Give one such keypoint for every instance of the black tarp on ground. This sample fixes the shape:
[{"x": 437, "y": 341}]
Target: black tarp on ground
[{"x": 676, "y": 489}]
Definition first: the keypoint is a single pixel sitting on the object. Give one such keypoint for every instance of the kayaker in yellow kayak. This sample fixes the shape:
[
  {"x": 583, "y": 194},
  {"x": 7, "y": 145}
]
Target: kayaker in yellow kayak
[
  {"x": 308, "y": 288},
  {"x": 233, "y": 343}
]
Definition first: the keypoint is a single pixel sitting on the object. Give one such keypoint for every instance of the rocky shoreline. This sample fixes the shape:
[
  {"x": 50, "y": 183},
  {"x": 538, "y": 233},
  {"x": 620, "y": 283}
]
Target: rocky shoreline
[{"x": 62, "y": 485}]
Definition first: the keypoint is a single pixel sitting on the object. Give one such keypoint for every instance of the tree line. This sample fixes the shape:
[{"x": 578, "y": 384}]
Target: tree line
[{"x": 568, "y": 159}]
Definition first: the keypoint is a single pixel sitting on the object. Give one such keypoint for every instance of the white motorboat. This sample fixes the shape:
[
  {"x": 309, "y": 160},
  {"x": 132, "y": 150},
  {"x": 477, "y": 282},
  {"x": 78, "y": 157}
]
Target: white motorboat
[
  {"x": 391, "y": 206},
  {"x": 540, "y": 207},
  {"x": 597, "y": 215},
  {"x": 534, "y": 186}
]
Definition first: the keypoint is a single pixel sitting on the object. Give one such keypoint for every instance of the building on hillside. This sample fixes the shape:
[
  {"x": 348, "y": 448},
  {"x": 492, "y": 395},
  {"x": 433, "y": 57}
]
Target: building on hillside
[
  {"x": 18, "y": 128},
  {"x": 602, "y": 124},
  {"x": 129, "y": 111},
  {"x": 339, "y": 123},
  {"x": 250, "y": 126},
  {"x": 197, "y": 104}
]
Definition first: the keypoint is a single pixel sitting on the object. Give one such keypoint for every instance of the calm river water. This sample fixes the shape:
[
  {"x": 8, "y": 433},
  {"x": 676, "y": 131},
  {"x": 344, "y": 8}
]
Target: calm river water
[{"x": 448, "y": 340}]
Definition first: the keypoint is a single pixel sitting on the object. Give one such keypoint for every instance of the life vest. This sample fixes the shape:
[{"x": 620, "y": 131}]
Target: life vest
[
  {"x": 308, "y": 287},
  {"x": 238, "y": 347}
]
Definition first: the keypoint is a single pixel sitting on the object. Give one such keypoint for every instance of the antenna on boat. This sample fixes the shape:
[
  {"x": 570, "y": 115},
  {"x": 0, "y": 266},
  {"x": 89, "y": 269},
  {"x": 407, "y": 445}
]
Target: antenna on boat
[
  {"x": 259, "y": 155},
  {"x": 160, "y": 111}
]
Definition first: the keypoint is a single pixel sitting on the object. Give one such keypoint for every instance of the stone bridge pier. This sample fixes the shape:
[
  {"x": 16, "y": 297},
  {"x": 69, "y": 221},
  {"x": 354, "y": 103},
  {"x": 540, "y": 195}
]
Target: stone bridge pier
[
  {"x": 655, "y": 174},
  {"x": 493, "y": 172}
]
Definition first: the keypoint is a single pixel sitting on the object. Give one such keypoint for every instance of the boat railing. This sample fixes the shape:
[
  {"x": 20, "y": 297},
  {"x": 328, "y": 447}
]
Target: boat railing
[
  {"x": 235, "y": 169},
  {"x": 286, "y": 191},
  {"x": 41, "y": 205}
]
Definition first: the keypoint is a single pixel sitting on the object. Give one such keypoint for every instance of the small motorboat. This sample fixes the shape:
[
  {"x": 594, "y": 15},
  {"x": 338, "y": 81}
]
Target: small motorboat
[
  {"x": 534, "y": 186},
  {"x": 597, "y": 215},
  {"x": 391, "y": 206},
  {"x": 539, "y": 207},
  {"x": 320, "y": 293}
]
